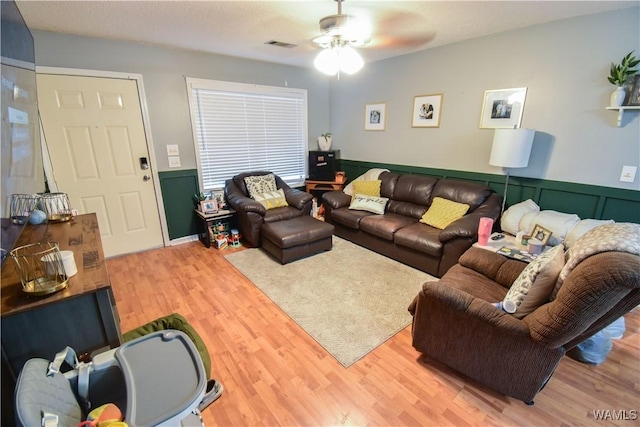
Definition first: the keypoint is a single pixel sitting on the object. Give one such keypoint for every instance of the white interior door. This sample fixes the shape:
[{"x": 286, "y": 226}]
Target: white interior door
[{"x": 95, "y": 135}]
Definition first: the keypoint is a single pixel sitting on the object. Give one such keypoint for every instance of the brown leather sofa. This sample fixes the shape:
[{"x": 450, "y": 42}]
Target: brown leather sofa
[
  {"x": 252, "y": 214},
  {"x": 455, "y": 323},
  {"x": 398, "y": 234}
]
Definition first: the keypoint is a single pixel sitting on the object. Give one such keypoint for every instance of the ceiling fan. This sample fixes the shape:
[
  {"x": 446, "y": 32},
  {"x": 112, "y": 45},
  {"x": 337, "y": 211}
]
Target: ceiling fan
[
  {"x": 339, "y": 33},
  {"x": 343, "y": 29}
]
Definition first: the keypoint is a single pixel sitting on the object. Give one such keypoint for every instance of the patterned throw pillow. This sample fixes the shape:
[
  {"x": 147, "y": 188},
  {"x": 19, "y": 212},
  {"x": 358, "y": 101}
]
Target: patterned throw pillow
[
  {"x": 272, "y": 199},
  {"x": 368, "y": 188},
  {"x": 443, "y": 212},
  {"x": 534, "y": 285},
  {"x": 362, "y": 202},
  {"x": 260, "y": 184}
]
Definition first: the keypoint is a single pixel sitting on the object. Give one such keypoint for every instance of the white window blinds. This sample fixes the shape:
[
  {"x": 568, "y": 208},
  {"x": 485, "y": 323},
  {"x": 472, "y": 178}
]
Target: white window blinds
[{"x": 242, "y": 128}]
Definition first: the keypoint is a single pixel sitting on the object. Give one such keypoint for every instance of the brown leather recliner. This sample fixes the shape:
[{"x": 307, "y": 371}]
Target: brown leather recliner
[
  {"x": 455, "y": 323},
  {"x": 252, "y": 214}
]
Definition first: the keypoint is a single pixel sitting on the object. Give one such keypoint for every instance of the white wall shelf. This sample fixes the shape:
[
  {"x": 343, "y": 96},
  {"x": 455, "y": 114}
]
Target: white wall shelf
[{"x": 621, "y": 111}]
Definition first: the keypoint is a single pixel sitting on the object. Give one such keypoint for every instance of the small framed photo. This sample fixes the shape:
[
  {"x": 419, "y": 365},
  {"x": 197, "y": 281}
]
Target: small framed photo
[
  {"x": 634, "y": 94},
  {"x": 208, "y": 206},
  {"x": 218, "y": 196},
  {"x": 502, "y": 108},
  {"x": 426, "y": 111},
  {"x": 375, "y": 116},
  {"x": 540, "y": 233}
]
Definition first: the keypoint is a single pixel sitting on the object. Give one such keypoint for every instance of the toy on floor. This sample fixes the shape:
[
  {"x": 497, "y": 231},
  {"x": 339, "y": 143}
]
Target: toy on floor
[
  {"x": 234, "y": 239},
  {"x": 107, "y": 415}
]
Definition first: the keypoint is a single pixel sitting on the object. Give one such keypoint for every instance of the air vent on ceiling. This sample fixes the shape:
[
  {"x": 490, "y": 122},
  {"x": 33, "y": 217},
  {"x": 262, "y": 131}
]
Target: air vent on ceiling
[{"x": 280, "y": 44}]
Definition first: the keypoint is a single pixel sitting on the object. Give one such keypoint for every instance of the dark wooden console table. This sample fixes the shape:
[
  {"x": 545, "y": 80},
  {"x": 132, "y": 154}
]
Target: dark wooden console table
[
  {"x": 323, "y": 185},
  {"x": 82, "y": 316}
]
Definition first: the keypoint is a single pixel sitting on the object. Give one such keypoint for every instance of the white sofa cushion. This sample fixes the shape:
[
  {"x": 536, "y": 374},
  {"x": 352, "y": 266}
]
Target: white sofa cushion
[
  {"x": 510, "y": 221},
  {"x": 557, "y": 222}
]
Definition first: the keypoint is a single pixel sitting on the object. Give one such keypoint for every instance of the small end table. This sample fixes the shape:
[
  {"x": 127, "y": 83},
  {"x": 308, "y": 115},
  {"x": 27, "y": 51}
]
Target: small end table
[
  {"x": 206, "y": 220},
  {"x": 512, "y": 248}
]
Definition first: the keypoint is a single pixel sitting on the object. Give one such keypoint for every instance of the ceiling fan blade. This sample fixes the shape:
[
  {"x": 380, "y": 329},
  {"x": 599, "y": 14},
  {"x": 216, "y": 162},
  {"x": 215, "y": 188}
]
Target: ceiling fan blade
[{"x": 416, "y": 42}]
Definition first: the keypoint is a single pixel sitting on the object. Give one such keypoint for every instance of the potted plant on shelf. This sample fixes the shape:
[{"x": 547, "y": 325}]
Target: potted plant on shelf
[
  {"x": 618, "y": 76},
  {"x": 324, "y": 141},
  {"x": 199, "y": 197}
]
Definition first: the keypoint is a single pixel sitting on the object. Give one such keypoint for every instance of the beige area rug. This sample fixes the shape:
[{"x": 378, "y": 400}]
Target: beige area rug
[{"x": 349, "y": 299}]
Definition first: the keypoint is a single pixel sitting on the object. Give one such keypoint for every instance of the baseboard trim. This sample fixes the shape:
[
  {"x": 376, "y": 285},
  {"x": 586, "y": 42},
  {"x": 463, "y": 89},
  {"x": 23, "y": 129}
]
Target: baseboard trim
[{"x": 183, "y": 240}]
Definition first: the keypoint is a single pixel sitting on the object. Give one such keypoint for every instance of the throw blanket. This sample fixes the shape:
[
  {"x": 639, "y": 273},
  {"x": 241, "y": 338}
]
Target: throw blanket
[{"x": 620, "y": 237}]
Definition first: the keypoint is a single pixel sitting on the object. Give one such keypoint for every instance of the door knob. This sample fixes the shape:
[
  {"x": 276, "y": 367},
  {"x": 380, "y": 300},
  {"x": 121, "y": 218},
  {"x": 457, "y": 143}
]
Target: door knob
[{"x": 146, "y": 178}]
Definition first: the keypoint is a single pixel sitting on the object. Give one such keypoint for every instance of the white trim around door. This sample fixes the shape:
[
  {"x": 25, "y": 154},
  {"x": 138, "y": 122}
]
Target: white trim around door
[{"x": 145, "y": 119}]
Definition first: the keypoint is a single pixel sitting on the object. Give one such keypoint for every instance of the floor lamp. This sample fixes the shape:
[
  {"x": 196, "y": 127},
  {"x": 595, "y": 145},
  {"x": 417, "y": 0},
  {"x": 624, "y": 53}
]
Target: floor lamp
[{"x": 511, "y": 149}]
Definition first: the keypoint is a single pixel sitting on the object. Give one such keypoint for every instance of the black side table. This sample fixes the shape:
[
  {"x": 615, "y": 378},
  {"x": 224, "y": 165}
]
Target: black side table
[{"x": 205, "y": 221}]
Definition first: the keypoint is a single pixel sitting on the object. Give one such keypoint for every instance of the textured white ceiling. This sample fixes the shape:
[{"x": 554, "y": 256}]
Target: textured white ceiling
[{"x": 241, "y": 27}]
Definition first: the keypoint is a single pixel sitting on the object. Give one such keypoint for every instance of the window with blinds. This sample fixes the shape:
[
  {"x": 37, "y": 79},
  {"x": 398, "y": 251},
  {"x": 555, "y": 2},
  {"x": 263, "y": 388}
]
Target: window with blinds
[{"x": 241, "y": 127}]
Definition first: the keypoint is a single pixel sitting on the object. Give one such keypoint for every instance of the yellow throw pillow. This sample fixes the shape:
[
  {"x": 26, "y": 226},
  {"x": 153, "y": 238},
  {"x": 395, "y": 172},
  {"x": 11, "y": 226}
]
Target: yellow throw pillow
[
  {"x": 272, "y": 199},
  {"x": 443, "y": 212},
  {"x": 367, "y": 188}
]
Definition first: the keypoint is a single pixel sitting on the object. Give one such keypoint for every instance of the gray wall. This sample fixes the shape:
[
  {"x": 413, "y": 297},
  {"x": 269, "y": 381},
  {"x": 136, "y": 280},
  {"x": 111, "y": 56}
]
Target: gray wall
[
  {"x": 563, "y": 64},
  {"x": 164, "y": 70}
]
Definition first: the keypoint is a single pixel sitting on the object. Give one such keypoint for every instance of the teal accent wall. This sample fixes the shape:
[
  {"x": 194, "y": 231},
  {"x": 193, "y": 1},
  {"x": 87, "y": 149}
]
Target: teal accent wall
[
  {"x": 586, "y": 201},
  {"x": 178, "y": 188}
]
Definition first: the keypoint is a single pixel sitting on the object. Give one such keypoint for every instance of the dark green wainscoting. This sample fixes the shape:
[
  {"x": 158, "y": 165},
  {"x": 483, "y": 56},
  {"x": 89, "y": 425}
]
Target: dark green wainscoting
[
  {"x": 178, "y": 188},
  {"x": 586, "y": 201}
]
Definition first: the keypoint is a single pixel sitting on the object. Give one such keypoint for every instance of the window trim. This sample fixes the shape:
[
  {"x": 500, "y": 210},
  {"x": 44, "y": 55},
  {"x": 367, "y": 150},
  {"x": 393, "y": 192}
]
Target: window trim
[{"x": 226, "y": 86}]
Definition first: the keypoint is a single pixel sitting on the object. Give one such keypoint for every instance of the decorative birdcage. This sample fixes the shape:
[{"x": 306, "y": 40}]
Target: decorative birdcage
[
  {"x": 40, "y": 268},
  {"x": 21, "y": 207},
  {"x": 56, "y": 206}
]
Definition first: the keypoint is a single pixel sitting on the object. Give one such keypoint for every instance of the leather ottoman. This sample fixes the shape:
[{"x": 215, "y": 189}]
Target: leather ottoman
[{"x": 296, "y": 238}]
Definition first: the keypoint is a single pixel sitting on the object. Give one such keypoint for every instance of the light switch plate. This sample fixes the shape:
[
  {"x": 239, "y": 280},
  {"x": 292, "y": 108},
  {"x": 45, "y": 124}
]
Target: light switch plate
[
  {"x": 628, "y": 173},
  {"x": 174, "y": 161},
  {"x": 173, "y": 150}
]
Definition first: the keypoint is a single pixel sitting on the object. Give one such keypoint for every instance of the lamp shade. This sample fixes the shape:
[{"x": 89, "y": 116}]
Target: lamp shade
[{"x": 511, "y": 147}]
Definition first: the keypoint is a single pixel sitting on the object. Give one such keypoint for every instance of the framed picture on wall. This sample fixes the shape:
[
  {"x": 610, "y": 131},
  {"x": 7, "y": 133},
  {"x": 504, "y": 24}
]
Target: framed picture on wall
[
  {"x": 502, "y": 108},
  {"x": 634, "y": 95},
  {"x": 375, "y": 116},
  {"x": 426, "y": 111}
]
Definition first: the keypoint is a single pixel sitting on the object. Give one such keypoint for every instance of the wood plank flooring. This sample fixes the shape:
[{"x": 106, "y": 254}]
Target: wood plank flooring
[{"x": 275, "y": 374}]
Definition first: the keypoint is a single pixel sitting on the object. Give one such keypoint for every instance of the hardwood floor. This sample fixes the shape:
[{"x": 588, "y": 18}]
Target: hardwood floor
[{"x": 275, "y": 374}]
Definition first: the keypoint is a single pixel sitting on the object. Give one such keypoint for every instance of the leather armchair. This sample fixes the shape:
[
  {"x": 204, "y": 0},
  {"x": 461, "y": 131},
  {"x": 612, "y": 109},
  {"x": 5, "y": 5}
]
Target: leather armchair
[{"x": 251, "y": 214}]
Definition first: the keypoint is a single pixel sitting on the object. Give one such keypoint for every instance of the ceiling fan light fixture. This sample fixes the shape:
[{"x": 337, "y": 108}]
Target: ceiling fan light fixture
[
  {"x": 350, "y": 61},
  {"x": 339, "y": 33},
  {"x": 327, "y": 62},
  {"x": 338, "y": 58}
]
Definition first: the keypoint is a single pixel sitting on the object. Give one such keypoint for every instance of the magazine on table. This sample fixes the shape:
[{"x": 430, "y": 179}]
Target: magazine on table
[{"x": 518, "y": 254}]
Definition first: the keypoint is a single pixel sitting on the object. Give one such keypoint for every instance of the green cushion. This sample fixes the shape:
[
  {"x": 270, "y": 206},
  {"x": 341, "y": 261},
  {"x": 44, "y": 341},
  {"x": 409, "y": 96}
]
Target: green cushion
[{"x": 179, "y": 323}]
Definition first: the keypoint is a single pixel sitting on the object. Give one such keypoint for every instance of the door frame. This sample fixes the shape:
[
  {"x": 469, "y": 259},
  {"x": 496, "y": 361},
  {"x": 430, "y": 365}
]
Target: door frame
[{"x": 145, "y": 123}]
